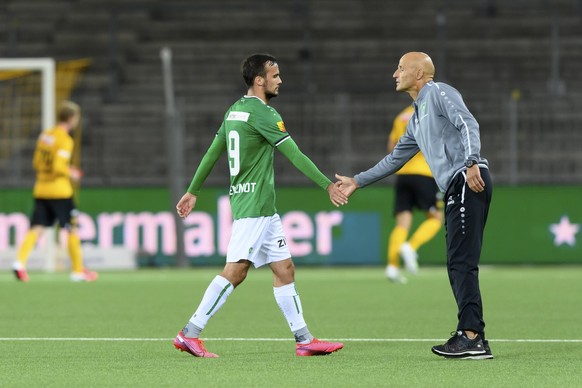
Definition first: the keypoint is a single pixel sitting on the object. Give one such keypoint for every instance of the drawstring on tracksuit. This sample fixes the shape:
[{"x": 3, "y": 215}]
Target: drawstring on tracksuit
[{"x": 464, "y": 186}]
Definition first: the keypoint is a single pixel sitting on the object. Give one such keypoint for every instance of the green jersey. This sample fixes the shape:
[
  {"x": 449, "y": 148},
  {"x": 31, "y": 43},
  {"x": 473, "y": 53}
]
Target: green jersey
[
  {"x": 252, "y": 130},
  {"x": 249, "y": 134}
]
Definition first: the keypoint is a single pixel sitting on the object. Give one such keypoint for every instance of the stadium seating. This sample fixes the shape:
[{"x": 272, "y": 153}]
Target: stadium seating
[{"x": 337, "y": 58}]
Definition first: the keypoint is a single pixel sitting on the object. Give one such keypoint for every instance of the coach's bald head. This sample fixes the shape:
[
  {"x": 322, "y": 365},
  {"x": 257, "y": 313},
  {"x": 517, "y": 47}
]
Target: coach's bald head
[
  {"x": 414, "y": 70},
  {"x": 421, "y": 61}
]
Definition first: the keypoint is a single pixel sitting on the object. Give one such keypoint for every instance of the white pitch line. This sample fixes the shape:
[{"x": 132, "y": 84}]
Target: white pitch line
[
  {"x": 81, "y": 339},
  {"x": 84, "y": 339}
]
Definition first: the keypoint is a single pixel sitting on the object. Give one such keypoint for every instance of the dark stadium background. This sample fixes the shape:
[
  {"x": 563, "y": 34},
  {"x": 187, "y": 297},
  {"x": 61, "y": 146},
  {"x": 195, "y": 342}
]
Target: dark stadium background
[{"x": 515, "y": 62}]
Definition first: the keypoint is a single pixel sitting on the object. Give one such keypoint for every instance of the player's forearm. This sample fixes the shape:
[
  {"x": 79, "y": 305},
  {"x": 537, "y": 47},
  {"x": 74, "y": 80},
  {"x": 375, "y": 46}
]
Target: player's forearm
[
  {"x": 303, "y": 163},
  {"x": 216, "y": 149}
]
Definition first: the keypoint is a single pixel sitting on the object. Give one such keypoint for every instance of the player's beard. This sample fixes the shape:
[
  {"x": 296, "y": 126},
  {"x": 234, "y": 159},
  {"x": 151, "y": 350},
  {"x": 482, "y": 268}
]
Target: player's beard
[{"x": 270, "y": 95}]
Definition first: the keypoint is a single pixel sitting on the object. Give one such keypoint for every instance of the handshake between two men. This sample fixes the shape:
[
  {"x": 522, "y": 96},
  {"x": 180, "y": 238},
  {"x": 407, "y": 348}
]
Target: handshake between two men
[{"x": 340, "y": 191}]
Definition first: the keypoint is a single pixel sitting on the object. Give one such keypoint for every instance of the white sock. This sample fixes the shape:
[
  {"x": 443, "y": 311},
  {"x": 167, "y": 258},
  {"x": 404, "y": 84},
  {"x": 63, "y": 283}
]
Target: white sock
[
  {"x": 214, "y": 297},
  {"x": 290, "y": 304}
]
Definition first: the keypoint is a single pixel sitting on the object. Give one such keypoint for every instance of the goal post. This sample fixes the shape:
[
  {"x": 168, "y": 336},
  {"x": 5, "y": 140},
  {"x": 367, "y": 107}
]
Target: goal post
[
  {"x": 21, "y": 67},
  {"x": 46, "y": 66}
]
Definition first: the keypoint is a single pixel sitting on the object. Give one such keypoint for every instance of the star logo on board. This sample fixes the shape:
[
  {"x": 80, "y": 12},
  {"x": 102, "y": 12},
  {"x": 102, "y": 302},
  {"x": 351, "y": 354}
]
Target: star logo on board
[{"x": 564, "y": 232}]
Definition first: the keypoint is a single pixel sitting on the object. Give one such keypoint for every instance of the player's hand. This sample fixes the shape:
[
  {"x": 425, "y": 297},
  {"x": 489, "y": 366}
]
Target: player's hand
[
  {"x": 75, "y": 173},
  {"x": 186, "y": 204},
  {"x": 346, "y": 184},
  {"x": 474, "y": 179},
  {"x": 336, "y": 196}
]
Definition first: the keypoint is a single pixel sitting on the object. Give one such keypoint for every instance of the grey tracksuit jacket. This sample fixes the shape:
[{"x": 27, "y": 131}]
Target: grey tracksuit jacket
[{"x": 443, "y": 129}]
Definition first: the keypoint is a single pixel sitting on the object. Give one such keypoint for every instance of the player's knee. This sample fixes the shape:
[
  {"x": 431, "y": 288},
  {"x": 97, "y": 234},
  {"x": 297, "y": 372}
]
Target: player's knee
[
  {"x": 404, "y": 219},
  {"x": 290, "y": 269},
  {"x": 239, "y": 278},
  {"x": 235, "y": 275},
  {"x": 234, "y": 278},
  {"x": 284, "y": 271},
  {"x": 435, "y": 215}
]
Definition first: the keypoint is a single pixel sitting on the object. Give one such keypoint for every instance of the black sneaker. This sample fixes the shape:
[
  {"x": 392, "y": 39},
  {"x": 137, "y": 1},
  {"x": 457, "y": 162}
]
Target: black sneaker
[
  {"x": 487, "y": 355},
  {"x": 460, "y": 346}
]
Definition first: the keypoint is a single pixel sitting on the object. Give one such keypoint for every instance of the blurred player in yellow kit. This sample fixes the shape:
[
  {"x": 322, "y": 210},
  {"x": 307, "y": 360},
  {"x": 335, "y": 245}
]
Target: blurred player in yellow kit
[
  {"x": 53, "y": 193},
  {"x": 415, "y": 188}
]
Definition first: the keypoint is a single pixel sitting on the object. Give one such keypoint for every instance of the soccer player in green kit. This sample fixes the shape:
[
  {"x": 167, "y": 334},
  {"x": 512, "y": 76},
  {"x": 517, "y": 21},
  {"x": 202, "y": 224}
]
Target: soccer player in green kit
[{"x": 250, "y": 132}]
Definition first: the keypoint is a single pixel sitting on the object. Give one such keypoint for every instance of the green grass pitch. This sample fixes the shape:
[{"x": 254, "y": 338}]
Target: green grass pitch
[{"x": 396, "y": 325}]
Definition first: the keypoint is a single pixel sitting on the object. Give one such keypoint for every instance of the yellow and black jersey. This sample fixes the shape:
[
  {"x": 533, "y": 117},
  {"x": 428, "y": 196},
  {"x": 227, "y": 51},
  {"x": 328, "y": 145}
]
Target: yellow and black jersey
[
  {"x": 417, "y": 165},
  {"x": 51, "y": 161}
]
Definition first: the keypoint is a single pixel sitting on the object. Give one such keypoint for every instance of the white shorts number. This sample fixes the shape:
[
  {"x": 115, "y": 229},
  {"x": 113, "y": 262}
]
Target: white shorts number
[{"x": 234, "y": 152}]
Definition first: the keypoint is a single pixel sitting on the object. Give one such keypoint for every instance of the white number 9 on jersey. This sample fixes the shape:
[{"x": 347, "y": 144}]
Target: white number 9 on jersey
[{"x": 234, "y": 153}]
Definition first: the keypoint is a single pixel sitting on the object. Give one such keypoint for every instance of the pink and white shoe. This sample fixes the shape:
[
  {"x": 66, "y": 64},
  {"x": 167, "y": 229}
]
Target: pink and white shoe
[
  {"x": 21, "y": 275},
  {"x": 85, "y": 276},
  {"x": 194, "y": 346},
  {"x": 317, "y": 348}
]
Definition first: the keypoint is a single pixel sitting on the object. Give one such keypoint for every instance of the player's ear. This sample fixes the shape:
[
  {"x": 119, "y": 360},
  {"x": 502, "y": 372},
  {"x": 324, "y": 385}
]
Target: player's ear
[
  {"x": 419, "y": 73},
  {"x": 260, "y": 81}
]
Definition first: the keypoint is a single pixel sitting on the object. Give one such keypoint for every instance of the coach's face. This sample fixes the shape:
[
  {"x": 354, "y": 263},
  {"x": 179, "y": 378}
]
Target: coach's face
[
  {"x": 272, "y": 80},
  {"x": 405, "y": 75}
]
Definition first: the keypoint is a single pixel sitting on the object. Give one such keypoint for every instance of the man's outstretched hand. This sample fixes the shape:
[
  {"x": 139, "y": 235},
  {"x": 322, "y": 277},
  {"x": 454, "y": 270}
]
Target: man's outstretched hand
[
  {"x": 346, "y": 185},
  {"x": 336, "y": 196},
  {"x": 186, "y": 204}
]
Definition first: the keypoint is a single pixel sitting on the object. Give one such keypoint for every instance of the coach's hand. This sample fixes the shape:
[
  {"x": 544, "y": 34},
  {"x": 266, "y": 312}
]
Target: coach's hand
[
  {"x": 186, "y": 204},
  {"x": 474, "y": 179},
  {"x": 346, "y": 184}
]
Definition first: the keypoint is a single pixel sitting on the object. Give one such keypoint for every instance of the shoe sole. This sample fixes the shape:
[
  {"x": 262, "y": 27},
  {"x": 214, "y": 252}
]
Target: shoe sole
[
  {"x": 465, "y": 356},
  {"x": 307, "y": 353},
  {"x": 479, "y": 357},
  {"x": 187, "y": 350},
  {"x": 469, "y": 353}
]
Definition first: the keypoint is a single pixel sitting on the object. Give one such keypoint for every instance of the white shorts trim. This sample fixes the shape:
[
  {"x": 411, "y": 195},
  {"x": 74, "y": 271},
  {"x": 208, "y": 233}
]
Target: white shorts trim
[{"x": 258, "y": 239}]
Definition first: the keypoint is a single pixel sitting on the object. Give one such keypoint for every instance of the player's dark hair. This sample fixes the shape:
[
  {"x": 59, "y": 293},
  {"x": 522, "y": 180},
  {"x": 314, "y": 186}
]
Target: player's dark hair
[
  {"x": 67, "y": 110},
  {"x": 255, "y": 65}
]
